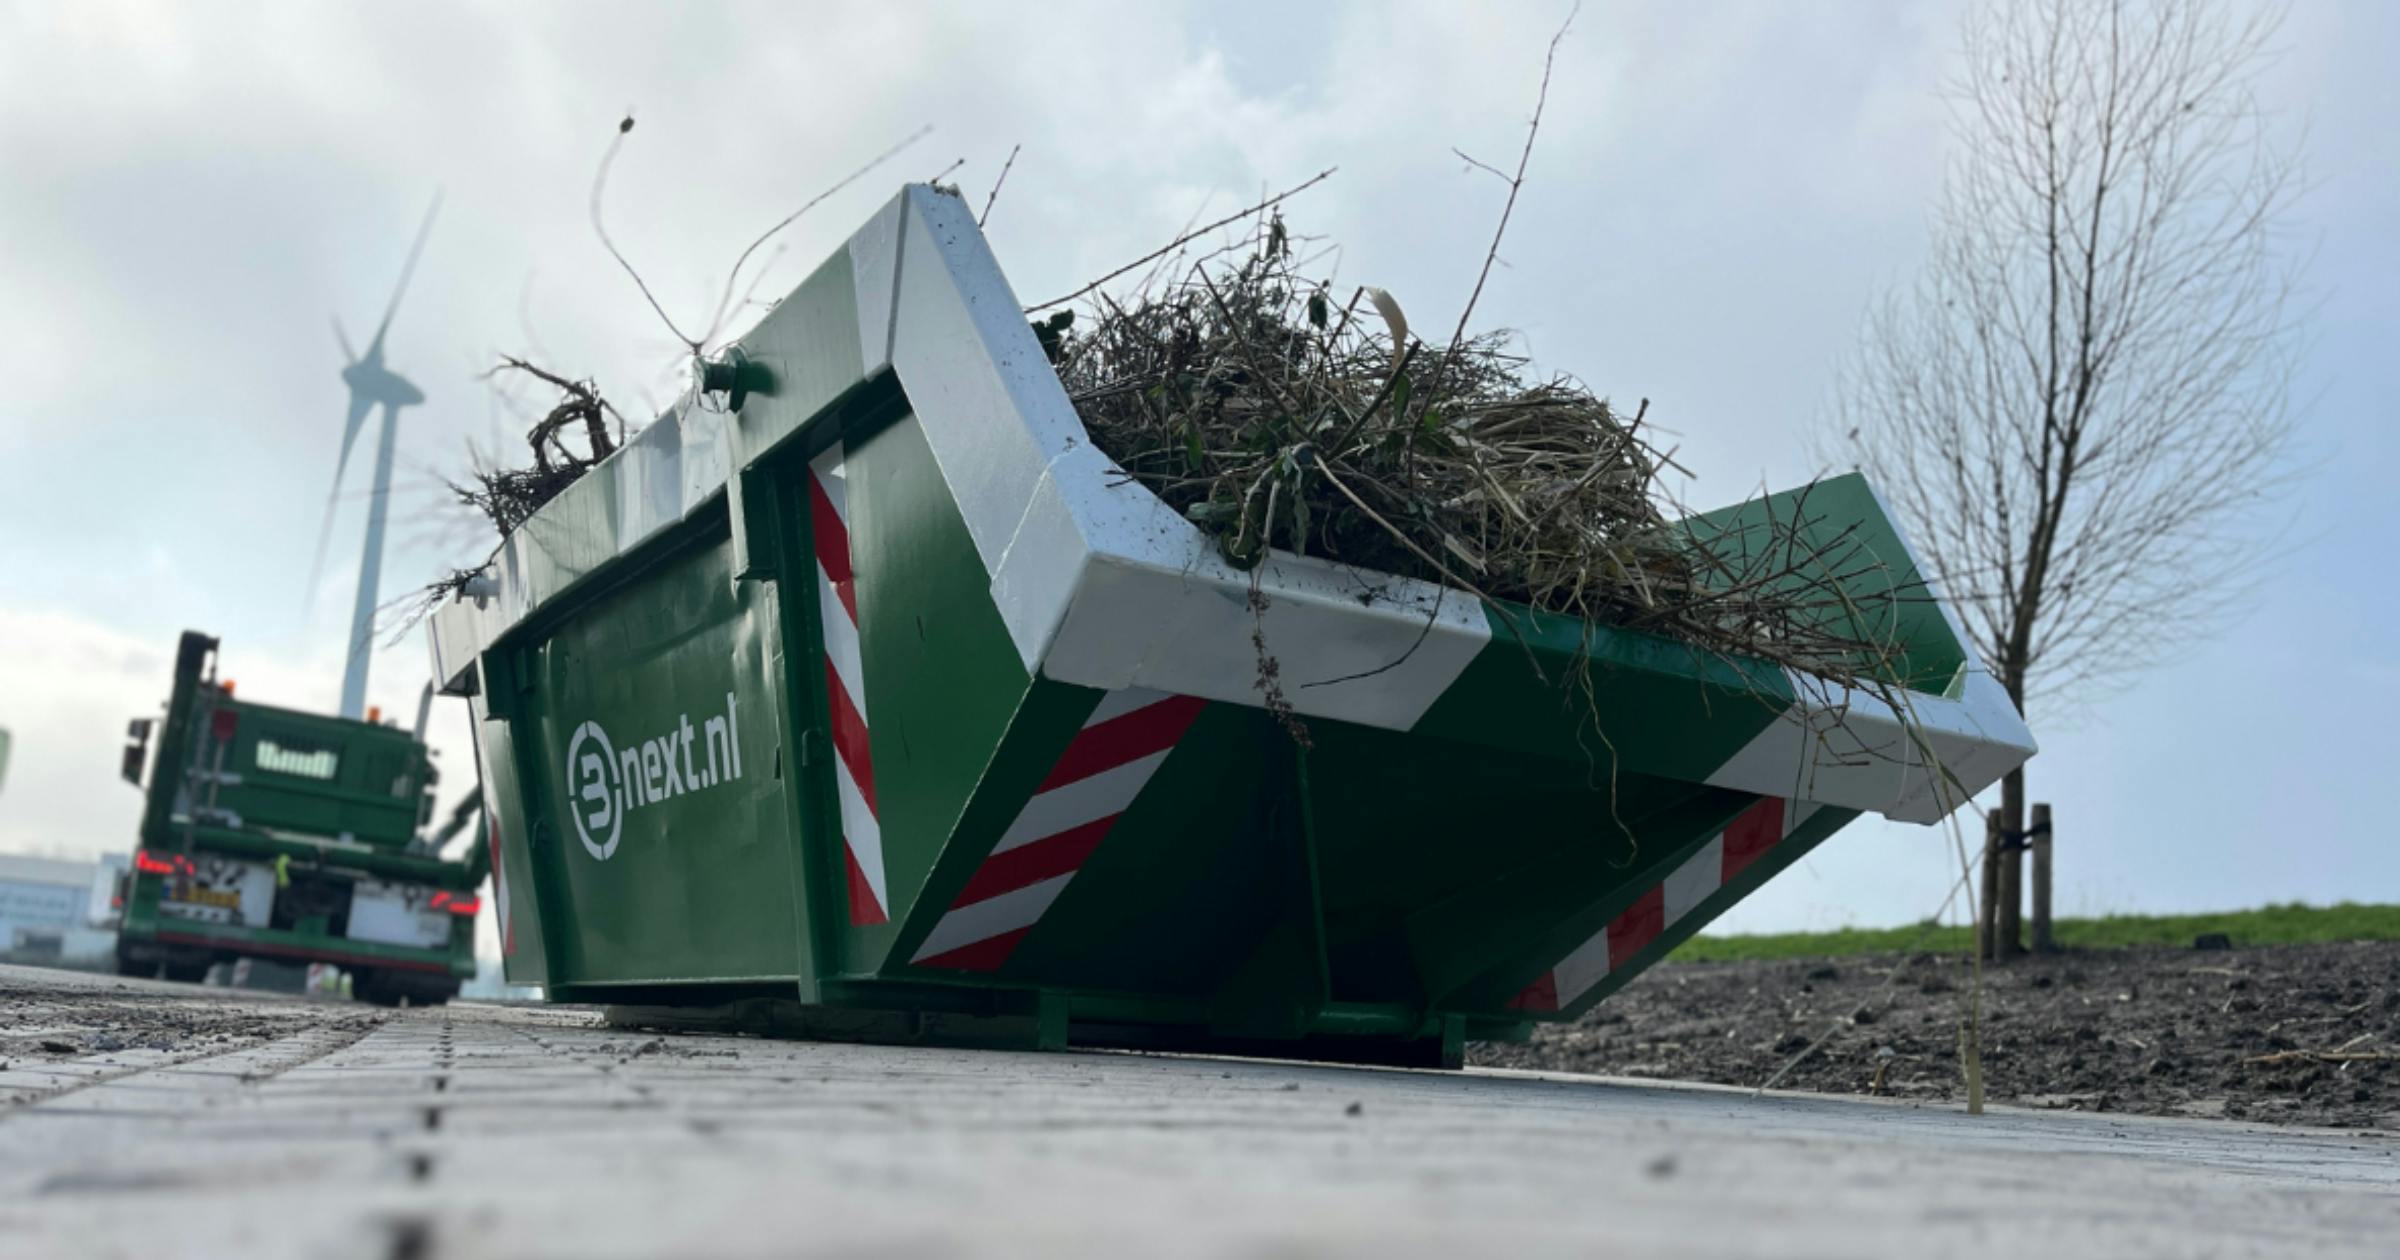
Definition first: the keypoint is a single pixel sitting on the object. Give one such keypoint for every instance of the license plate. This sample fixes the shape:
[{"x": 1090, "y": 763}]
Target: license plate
[{"x": 221, "y": 890}]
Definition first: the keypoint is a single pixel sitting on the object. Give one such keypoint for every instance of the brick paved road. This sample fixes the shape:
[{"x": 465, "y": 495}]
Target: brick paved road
[{"x": 161, "y": 1121}]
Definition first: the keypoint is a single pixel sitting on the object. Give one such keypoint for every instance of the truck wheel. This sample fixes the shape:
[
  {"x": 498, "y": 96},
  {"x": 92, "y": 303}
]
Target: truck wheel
[
  {"x": 187, "y": 972},
  {"x": 368, "y": 985},
  {"x": 138, "y": 969}
]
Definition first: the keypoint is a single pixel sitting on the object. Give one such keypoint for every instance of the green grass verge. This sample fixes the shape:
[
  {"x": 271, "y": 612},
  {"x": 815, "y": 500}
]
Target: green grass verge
[{"x": 2293, "y": 924}]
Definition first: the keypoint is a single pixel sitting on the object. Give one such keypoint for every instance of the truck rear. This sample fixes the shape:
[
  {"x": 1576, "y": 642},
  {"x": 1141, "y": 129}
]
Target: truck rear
[{"x": 273, "y": 834}]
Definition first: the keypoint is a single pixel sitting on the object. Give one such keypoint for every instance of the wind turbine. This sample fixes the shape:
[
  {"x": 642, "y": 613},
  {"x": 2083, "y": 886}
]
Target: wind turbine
[{"x": 371, "y": 385}]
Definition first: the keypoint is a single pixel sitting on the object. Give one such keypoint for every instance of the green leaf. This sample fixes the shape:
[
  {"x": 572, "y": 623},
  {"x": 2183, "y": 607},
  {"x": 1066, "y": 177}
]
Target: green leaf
[{"x": 1401, "y": 388}]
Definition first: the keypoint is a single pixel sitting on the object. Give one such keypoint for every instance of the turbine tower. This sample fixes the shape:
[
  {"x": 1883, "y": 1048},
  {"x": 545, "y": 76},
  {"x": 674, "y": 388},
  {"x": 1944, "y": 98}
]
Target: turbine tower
[{"x": 371, "y": 385}]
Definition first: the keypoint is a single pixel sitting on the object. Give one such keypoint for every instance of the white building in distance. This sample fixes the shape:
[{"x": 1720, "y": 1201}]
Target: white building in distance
[{"x": 52, "y": 909}]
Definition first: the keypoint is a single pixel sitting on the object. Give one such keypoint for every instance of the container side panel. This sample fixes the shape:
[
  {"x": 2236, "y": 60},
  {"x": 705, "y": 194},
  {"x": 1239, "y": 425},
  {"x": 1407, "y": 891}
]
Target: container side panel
[
  {"x": 1162, "y": 815},
  {"x": 1417, "y": 865},
  {"x": 941, "y": 678},
  {"x": 867, "y": 894},
  {"x": 810, "y": 345},
  {"x": 1613, "y": 701},
  {"x": 1440, "y": 858},
  {"x": 1756, "y": 846},
  {"x": 973, "y": 908},
  {"x": 654, "y": 711},
  {"x": 1845, "y": 541}
]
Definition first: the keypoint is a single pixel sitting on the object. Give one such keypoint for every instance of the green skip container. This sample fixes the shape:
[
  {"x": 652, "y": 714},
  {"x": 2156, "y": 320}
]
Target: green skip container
[{"x": 860, "y": 697}]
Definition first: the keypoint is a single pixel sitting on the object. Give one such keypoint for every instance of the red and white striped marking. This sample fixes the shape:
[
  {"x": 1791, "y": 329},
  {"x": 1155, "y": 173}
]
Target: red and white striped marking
[
  {"x": 500, "y": 904},
  {"x": 845, "y": 686},
  {"x": 1758, "y": 829},
  {"x": 1104, "y": 768}
]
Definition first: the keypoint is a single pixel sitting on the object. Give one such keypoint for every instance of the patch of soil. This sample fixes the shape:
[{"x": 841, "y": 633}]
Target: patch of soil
[
  {"x": 48, "y": 1015},
  {"x": 2286, "y": 1034}
]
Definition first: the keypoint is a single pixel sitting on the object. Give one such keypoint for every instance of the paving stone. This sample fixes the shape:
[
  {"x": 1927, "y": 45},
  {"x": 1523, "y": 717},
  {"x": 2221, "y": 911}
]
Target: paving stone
[{"x": 506, "y": 1131}]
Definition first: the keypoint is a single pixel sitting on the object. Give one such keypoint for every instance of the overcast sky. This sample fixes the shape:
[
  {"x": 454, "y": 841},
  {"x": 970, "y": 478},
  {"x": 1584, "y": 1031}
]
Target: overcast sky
[{"x": 188, "y": 193}]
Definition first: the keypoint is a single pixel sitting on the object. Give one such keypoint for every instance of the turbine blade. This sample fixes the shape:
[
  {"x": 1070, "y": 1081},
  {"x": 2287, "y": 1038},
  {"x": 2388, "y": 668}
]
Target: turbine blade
[
  {"x": 348, "y": 355},
  {"x": 406, "y": 270},
  {"x": 359, "y": 406}
]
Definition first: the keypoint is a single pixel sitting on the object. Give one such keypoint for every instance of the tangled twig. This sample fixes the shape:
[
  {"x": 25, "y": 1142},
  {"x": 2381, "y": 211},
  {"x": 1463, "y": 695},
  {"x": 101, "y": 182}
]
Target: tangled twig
[{"x": 509, "y": 496}]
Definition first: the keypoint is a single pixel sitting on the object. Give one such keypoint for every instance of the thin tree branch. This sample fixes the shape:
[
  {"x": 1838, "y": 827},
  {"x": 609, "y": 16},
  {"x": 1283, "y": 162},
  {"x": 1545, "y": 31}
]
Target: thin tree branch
[
  {"x": 1516, "y": 184},
  {"x": 1188, "y": 237},
  {"x": 716, "y": 320},
  {"x": 1005, "y": 167},
  {"x": 599, "y": 186}
]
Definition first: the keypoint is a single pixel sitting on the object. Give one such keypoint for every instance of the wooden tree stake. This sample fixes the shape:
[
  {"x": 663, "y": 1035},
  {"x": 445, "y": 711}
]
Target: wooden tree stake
[{"x": 2042, "y": 941}]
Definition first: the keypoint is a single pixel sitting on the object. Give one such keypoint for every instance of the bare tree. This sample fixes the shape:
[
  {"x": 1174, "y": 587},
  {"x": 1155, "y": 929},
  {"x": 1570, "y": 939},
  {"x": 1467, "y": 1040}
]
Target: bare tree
[{"x": 2080, "y": 405}]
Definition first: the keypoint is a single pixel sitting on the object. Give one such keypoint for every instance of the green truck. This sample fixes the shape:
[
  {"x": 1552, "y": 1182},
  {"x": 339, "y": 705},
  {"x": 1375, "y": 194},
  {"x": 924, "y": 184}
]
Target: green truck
[{"x": 270, "y": 833}]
